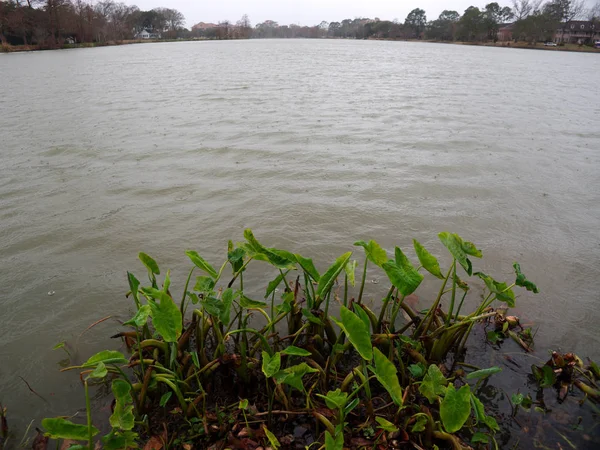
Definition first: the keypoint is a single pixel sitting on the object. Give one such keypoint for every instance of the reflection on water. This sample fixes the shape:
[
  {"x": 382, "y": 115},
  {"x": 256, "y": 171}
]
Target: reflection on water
[{"x": 313, "y": 144}]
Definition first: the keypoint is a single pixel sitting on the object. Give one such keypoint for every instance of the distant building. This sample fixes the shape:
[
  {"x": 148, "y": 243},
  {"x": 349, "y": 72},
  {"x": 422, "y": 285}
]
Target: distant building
[
  {"x": 505, "y": 32},
  {"x": 578, "y": 32},
  {"x": 204, "y": 26},
  {"x": 147, "y": 34}
]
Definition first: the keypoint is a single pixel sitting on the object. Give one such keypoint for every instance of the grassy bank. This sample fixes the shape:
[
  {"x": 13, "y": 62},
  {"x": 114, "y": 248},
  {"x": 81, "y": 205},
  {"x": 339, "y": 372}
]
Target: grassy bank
[
  {"x": 7, "y": 48},
  {"x": 309, "y": 364}
]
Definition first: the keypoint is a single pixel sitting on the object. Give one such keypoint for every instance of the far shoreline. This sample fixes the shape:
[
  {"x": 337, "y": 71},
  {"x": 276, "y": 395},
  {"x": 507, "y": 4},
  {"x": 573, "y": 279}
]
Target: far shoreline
[{"x": 7, "y": 48}]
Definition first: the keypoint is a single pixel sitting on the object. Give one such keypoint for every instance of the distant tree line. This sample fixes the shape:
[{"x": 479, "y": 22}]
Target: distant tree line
[
  {"x": 50, "y": 23},
  {"x": 532, "y": 20}
]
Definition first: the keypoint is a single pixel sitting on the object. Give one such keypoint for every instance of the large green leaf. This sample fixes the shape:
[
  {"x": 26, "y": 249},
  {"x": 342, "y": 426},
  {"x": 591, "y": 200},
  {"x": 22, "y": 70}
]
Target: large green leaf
[
  {"x": 122, "y": 416},
  {"x": 502, "y": 291},
  {"x": 134, "y": 285},
  {"x": 480, "y": 416},
  {"x": 335, "y": 399},
  {"x": 308, "y": 266},
  {"x": 334, "y": 443},
  {"x": 523, "y": 281},
  {"x": 204, "y": 284},
  {"x": 212, "y": 305},
  {"x": 258, "y": 251},
  {"x": 106, "y": 357},
  {"x": 270, "y": 364},
  {"x": 328, "y": 278},
  {"x": 433, "y": 384},
  {"x": 226, "y": 299},
  {"x": 59, "y": 428},
  {"x": 455, "y": 408},
  {"x": 293, "y": 375},
  {"x": 166, "y": 316},
  {"x": 357, "y": 332},
  {"x": 295, "y": 351},
  {"x": 460, "y": 249},
  {"x": 100, "y": 371},
  {"x": 274, "y": 283},
  {"x": 150, "y": 264},
  {"x": 119, "y": 440},
  {"x": 374, "y": 252},
  {"x": 427, "y": 260},
  {"x": 350, "y": 269},
  {"x": 141, "y": 316},
  {"x": 386, "y": 425},
  {"x": 387, "y": 375},
  {"x": 200, "y": 263},
  {"x": 483, "y": 373},
  {"x": 248, "y": 303},
  {"x": 402, "y": 273},
  {"x": 235, "y": 257}
]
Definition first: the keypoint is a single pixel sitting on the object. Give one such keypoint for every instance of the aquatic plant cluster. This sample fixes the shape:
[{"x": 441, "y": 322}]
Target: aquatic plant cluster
[{"x": 307, "y": 366}]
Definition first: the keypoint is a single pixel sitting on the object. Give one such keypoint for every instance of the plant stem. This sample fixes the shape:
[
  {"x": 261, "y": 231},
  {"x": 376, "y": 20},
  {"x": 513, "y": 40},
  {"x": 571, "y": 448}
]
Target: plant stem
[
  {"x": 88, "y": 412},
  {"x": 384, "y": 307},
  {"x": 182, "y": 304},
  {"x": 431, "y": 313},
  {"x": 362, "y": 283},
  {"x": 395, "y": 311},
  {"x": 451, "y": 309},
  {"x": 346, "y": 290}
]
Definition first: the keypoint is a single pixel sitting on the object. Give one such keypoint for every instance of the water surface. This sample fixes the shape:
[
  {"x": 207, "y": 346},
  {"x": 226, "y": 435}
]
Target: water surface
[{"x": 314, "y": 144}]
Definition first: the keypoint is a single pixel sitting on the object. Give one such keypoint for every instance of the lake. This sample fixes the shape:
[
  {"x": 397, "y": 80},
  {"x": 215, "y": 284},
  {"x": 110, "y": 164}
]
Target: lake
[{"x": 313, "y": 144}]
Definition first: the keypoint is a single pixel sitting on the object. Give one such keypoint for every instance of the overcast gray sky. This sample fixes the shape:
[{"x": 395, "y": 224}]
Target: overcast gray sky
[{"x": 304, "y": 12}]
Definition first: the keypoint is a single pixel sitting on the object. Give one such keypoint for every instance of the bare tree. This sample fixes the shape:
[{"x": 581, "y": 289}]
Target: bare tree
[{"x": 594, "y": 12}]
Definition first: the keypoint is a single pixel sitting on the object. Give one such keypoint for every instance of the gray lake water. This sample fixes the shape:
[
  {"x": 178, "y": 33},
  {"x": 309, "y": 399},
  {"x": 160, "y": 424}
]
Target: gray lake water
[{"x": 313, "y": 144}]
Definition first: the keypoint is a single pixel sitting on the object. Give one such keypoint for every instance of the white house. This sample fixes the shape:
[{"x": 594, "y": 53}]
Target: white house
[{"x": 147, "y": 34}]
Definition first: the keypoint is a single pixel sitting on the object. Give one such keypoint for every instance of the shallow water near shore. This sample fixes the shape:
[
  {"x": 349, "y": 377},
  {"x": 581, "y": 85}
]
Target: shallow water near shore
[{"x": 313, "y": 144}]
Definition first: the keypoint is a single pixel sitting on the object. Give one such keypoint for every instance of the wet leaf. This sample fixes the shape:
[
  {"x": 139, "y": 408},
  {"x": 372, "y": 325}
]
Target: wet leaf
[
  {"x": 356, "y": 331},
  {"x": 100, "y": 371},
  {"x": 483, "y": 373},
  {"x": 502, "y": 291},
  {"x": 335, "y": 399},
  {"x": 243, "y": 404},
  {"x": 434, "y": 384},
  {"x": 107, "y": 357},
  {"x": 480, "y": 437},
  {"x": 272, "y": 439},
  {"x": 350, "y": 269},
  {"x": 166, "y": 316},
  {"x": 360, "y": 312},
  {"x": 311, "y": 317},
  {"x": 387, "y": 374},
  {"x": 154, "y": 443},
  {"x": 308, "y": 266},
  {"x": 274, "y": 283},
  {"x": 201, "y": 264},
  {"x": 402, "y": 274},
  {"x": 427, "y": 260},
  {"x": 523, "y": 281},
  {"x": 386, "y": 425},
  {"x": 374, "y": 252},
  {"x": 295, "y": 351},
  {"x": 460, "y": 249},
  {"x": 455, "y": 408},
  {"x": 248, "y": 303},
  {"x": 293, "y": 375},
  {"x": 235, "y": 257},
  {"x": 227, "y": 300},
  {"x": 328, "y": 278},
  {"x": 59, "y": 428},
  {"x": 150, "y": 264},
  {"x": 420, "y": 423},
  {"x": 270, "y": 364},
  {"x": 134, "y": 285},
  {"x": 494, "y": 337},
  {"x": 548, "y": 377},
  {"x": 204, "y": 284},
  {"x": 258, "y": 251},
  {"x": 332, "y": 443},
  {"x": 164, "y": 399},
  {"x": 417, "y": 370},
  {"x": 212, "y": 305},
  {"x": 122, "y": 416},
  {"x": 480, "y": 416},
  {"x": 141, "y": 316}
]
